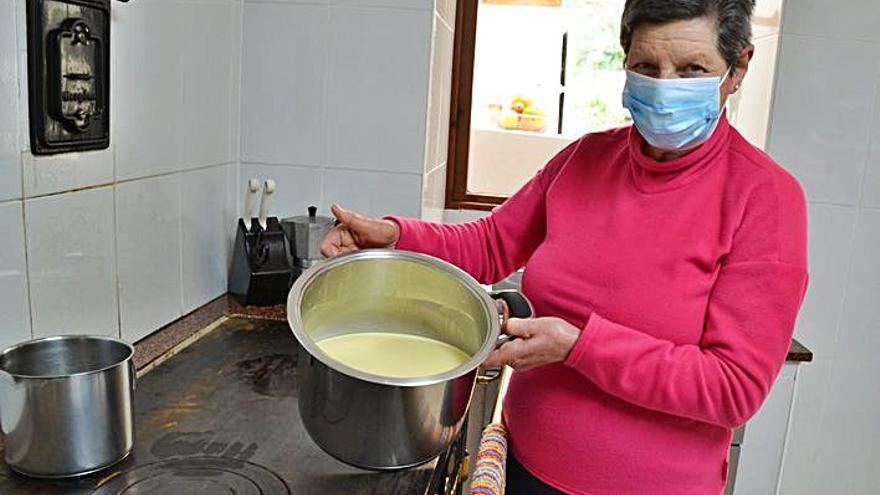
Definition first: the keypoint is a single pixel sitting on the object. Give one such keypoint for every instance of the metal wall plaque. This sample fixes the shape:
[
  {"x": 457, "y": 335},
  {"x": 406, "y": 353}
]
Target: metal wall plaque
[{"x": 69, "y": 75}]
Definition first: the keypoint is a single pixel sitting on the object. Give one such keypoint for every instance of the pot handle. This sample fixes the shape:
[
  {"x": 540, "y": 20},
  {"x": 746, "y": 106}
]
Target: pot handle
[
  {"x": 132, "y": 370},
  {"x": 511, "y": 304}
]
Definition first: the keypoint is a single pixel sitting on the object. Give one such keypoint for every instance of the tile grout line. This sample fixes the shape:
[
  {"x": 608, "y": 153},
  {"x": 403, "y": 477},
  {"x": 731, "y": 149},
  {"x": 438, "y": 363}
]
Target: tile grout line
[
  {"x": 833, "y": 203},
  {"x": 116, "y": 264},
  {"x": 864, "y": 41},
  {"x": 27, "y": 269},
  {"x": 238, "y": 115},
  {"x": 325, "y": 109},
  {"x": 125, "y": 181},
  {"x": 331, "y": 167},
  {"x": 873, "y": 124},
  {"x": 281, "y": 164},
  {"x": 325, "y": 106},
  {"x": 307, "y": 3},
  {"x": 181, "y": 300}
]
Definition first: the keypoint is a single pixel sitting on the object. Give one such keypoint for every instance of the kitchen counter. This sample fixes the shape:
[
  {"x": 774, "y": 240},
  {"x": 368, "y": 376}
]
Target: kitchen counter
[
  {"x": 221, "y": 413},
  {"x": 177, "y": 391}
]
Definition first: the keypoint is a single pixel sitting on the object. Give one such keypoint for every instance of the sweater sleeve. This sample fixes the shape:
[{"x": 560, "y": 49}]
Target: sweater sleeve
[
  {"x": 493, "y": 247},
  {"x": 748, "y": 326}
]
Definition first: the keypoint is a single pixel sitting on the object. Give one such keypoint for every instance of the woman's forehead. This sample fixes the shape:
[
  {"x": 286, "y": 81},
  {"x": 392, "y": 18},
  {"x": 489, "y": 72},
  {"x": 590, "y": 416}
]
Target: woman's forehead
[{"x": 677, "y": 41}]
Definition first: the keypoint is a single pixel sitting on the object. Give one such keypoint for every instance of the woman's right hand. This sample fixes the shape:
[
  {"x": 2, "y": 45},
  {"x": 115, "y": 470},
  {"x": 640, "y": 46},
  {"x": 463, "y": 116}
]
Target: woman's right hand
[{"x": 356, "y": 231}]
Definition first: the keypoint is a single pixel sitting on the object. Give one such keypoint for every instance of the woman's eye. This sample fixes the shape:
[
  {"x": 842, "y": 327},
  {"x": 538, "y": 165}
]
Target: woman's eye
[
  {"x": 643, "y": 68},
  {"x": 694, "y": 68}
]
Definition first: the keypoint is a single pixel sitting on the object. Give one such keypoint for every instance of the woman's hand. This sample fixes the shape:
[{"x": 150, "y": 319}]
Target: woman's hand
[
  {"x": 540, "y": 341},
  {"x": 356, "y": 231}
]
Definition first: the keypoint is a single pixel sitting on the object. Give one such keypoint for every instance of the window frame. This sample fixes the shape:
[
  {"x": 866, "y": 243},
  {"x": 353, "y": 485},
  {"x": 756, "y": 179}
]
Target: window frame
[
  {"x": 457, "y": 194},
  {"x": 461, "y": 104}
]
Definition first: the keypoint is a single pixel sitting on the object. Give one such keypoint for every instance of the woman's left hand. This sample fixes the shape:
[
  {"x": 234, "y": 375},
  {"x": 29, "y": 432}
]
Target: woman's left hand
[{"x": 540, "y": 341}]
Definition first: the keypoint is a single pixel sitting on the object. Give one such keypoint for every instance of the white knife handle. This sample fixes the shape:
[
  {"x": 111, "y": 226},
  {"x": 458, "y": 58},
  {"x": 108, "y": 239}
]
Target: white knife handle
[
  {"x": 266, "y": 200},
  {"x": 253, "y": 187}
]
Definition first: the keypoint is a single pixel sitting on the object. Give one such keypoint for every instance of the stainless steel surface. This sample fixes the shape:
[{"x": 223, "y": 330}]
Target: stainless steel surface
[
  {"x": 306, "y": 233},
  {"x": 738, "y": 435},
  {"x": 66, "y": 404},
  {"x": 305, "y": 263},
  {"x": 374, "y": 421},
  {"x": 731, "y": 470}
]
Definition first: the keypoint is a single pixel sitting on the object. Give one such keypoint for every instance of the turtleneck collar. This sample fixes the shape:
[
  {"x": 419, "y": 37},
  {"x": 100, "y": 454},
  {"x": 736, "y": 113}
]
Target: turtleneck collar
[{"x": 651, "y": 175}]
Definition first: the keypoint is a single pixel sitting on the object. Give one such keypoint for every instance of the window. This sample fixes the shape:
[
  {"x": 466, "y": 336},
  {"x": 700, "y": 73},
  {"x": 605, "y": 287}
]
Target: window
[{"x": 532, "y": 76}]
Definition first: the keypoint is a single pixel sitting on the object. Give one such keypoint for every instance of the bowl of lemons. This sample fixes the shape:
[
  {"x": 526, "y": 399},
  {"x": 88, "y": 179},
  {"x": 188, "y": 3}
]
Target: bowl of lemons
[{"x": 523, "y": 115}]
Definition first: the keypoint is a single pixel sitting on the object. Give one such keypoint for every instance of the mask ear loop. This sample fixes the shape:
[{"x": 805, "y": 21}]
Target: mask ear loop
[{"x": 726, "y": 75}]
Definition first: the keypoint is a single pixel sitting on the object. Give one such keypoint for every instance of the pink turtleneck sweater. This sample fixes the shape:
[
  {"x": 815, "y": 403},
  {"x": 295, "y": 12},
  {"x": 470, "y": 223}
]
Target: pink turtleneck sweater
[{"x": 685, "y": 277}]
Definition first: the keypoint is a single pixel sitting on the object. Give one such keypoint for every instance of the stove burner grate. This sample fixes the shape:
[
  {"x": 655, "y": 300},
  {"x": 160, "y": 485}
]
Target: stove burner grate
[{"x": 196, "y": 476}]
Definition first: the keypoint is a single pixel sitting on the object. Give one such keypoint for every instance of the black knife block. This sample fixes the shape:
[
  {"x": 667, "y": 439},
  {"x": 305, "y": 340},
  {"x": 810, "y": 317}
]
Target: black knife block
[{"x": 260, "y": 274}]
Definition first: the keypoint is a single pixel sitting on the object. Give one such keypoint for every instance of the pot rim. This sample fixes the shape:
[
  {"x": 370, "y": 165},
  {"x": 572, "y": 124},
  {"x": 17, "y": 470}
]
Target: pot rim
[
  {"x": 26, "y": 343},
  {"x": 294, "y": 316}
]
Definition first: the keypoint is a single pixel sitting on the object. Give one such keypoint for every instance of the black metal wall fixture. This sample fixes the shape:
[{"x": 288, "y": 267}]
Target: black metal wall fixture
[{"x": 68, "y": 75}]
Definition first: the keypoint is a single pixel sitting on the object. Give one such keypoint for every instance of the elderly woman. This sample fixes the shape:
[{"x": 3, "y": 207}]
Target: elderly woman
[{"x": 666, "y": 262}]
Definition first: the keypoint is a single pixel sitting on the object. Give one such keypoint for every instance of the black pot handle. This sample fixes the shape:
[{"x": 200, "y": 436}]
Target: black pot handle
[
  {"x": 511, "y": 304},
  {"x": 518, "y": 304}
]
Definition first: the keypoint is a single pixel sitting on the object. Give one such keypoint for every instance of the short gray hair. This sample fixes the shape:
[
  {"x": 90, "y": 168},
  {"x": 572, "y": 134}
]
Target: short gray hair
[{"x": 734, "y": 20}]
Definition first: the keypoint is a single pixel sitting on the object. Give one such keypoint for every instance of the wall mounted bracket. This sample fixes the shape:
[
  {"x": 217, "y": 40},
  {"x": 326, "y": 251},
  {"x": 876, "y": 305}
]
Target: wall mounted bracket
[{"x": 68, "y": 75}]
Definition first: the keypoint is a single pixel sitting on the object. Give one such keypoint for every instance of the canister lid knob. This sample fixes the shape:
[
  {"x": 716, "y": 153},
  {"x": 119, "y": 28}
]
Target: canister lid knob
[{"x": 313, "y": 212}]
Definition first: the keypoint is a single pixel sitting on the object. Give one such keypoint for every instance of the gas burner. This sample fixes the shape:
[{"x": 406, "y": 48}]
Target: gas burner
[{"x": 196, "y": 476}]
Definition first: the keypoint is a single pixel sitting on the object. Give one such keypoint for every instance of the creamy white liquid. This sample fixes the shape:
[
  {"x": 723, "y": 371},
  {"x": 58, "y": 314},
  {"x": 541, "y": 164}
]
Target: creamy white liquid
[{"x": 393, "y": 355}]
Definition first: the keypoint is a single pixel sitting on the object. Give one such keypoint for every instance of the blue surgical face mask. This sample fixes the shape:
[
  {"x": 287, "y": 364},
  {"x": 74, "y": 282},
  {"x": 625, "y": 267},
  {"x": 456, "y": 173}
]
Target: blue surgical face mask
[{"x": 674, "y": 114}]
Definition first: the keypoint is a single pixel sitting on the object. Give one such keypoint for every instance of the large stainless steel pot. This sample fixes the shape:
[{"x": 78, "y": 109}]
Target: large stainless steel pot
[
  {"x": 66, "y": 404},
  {"x": 377, "y": 422}
]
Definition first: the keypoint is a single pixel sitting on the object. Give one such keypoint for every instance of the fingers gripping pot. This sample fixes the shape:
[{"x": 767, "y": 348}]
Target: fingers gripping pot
[{"x": 379, "y": 422}]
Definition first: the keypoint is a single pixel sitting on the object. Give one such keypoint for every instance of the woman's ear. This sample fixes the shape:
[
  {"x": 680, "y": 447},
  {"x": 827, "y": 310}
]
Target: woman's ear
[{"x": 742, "y": 67}]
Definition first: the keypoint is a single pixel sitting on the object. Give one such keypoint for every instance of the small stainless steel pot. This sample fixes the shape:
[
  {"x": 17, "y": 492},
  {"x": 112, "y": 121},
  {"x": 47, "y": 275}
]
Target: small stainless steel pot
[
  {"x": 377, "y": 422},
  {"x": 66, "y": 405}
]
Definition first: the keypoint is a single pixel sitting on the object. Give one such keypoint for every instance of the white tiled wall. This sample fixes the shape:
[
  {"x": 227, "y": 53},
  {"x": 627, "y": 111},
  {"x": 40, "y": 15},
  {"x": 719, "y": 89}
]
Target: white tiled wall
[
  {"x": 377, "y": 86},
  {"x": 374, "y": 193},
  {"x": 124, "y": 240},
  {"x": 148, "y": 227},
  {"x": 10, "y": 169},
  {"x": 284, "y": 61},
  {"x": 71, "y": 263},
  {"x": 825, "y": 140},
  {"x": 15, "y": 309},
  {"x": 826, "y": 129},
  {"x": 334, "y": 100},
  {"x": 204, "y": 247},
  {"x": 299, "y": 187}
]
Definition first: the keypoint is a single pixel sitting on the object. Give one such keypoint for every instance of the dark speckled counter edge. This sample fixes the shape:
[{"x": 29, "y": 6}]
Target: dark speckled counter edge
[{"x": 169, "y": 336}]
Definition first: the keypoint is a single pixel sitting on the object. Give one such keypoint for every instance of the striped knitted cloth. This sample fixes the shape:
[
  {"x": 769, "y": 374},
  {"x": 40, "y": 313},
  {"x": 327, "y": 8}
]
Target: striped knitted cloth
[{"x": 489, "y": 473}]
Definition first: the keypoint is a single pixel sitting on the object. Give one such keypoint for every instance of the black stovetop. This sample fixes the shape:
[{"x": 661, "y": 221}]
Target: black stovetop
[{"x": 221, "y": 417}]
